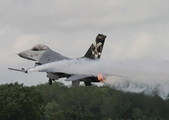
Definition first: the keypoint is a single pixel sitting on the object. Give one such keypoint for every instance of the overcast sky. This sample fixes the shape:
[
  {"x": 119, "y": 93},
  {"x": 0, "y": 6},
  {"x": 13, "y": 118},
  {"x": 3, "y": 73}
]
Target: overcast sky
[{"x": 134, "y": 29}]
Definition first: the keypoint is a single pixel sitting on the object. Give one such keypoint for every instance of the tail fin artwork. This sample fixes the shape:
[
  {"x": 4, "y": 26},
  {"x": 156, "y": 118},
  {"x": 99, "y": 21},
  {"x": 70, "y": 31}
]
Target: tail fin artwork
[{"x": 95, "y": 50}]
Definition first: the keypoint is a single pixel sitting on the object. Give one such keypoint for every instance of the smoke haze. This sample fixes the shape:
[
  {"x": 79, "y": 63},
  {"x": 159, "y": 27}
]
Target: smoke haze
[{"x": 147, "y": 75}]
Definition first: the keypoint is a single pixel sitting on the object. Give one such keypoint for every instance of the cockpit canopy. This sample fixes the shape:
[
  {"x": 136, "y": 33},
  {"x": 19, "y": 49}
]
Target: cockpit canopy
[{"x": 40, "y": 47}]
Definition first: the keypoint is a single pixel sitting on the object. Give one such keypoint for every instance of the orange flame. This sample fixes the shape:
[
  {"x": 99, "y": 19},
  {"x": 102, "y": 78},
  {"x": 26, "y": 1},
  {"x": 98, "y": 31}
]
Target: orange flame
[{"x": 101, "y": 78}]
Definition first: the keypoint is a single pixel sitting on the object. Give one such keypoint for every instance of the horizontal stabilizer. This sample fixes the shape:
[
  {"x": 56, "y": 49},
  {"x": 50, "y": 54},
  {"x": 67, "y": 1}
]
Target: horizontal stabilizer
[
  {"x": 20, "y": 70},
  {"x": 76, "y": 77}
]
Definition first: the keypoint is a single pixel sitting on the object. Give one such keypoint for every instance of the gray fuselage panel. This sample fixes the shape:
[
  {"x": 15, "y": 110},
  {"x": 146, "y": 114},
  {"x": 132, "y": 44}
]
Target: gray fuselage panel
[{"x": 51, "y": 56}]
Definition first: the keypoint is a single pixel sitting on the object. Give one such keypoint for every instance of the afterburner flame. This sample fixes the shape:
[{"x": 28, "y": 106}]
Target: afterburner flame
[{"x": 101, "y": 77}]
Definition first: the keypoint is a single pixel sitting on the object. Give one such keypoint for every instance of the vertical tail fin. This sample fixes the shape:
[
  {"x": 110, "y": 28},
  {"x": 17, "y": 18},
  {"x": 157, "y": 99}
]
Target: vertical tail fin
[{"x": 95, "y": 50}]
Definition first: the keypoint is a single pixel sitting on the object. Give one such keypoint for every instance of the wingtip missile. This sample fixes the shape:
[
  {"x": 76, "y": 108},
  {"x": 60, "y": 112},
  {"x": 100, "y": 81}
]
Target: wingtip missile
[{"x": 20, "y": 70}]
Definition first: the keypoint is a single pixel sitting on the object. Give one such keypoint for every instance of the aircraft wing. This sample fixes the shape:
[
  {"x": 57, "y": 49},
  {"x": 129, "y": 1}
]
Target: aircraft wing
[{"x": 76, "y": 77}]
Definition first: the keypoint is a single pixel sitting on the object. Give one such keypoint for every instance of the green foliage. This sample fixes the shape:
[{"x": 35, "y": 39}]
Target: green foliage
[
  {"x": 59, "y": 102},
  {"x": 18, "y": 102},
  {"x": 100, "y": 103}
]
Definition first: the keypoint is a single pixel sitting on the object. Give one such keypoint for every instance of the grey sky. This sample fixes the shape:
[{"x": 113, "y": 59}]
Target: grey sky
[{"x": 134, "y": 29}]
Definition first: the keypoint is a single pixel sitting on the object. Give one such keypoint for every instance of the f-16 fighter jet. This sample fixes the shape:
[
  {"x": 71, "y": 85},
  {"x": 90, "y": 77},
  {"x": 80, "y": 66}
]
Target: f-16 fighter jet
[{"x": 42, "y": 54}]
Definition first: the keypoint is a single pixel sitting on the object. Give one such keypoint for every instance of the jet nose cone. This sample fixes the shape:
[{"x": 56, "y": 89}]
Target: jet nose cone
[
  {"x": 20, "y": 54},
  {"x": 27, "y": 55}
]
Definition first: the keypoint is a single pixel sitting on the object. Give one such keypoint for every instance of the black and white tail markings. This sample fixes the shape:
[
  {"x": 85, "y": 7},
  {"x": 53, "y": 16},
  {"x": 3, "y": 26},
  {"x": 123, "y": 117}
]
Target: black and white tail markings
[{"x": 95, "y": 50}]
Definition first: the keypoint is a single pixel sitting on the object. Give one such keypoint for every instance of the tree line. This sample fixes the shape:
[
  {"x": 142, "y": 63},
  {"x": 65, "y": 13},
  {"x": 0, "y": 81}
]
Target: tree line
[{"x": 60, "y": 102}]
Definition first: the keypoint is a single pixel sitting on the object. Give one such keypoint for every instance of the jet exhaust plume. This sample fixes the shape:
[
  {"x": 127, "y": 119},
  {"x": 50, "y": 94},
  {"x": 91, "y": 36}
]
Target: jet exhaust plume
[{"x": 148, "y": 75}]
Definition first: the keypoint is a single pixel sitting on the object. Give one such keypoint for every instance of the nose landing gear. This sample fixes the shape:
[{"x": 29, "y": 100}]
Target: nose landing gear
[{"x": 50, "y": 81}]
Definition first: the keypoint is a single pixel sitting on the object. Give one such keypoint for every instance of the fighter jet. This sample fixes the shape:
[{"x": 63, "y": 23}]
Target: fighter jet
[{"x": 42, "y": 54}]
